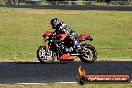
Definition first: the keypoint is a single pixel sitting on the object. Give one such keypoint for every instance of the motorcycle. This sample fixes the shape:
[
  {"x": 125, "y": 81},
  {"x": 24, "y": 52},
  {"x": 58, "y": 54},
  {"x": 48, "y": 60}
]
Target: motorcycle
[{"x": 57, "y": 44}]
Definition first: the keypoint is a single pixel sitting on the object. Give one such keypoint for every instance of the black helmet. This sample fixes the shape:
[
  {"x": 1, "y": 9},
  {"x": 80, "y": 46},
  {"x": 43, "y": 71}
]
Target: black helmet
[{"x": 54, "y": 22}]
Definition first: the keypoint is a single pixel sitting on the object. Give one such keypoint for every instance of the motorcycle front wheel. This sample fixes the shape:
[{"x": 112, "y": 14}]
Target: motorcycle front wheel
[
  {"x": 44, "y": 56},
  {"x": 90, "y": 55}
]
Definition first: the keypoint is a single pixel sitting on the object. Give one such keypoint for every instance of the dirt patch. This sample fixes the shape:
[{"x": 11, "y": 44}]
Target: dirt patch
[
  {"x": 26, "y": 86},
  {"x": 53, "y": 12},
  {"x": 3, "y": 19}
]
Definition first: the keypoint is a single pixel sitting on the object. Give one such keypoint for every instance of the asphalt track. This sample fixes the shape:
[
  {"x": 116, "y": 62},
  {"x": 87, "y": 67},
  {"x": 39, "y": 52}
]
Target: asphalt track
[
  {"x": 35, "y": 72},
  {"x": 74, "y": 7}
]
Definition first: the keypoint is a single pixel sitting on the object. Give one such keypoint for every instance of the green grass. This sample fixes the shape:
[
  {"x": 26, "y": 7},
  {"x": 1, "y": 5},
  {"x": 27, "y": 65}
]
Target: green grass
[
  {"x": 68, "y": 86},
  {"x": 21, "y": 30}
]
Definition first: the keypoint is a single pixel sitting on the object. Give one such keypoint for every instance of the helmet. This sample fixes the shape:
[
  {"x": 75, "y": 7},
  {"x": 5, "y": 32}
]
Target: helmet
[{"x": 54, "y": 22}]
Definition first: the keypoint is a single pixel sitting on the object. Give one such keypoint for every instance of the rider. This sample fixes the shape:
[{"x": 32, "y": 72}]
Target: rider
[{"x": 60, "y": 28}]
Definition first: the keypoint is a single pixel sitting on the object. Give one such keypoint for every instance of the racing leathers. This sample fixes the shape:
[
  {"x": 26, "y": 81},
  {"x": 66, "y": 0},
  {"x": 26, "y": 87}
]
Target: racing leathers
[{"x": 62, "y": 28}]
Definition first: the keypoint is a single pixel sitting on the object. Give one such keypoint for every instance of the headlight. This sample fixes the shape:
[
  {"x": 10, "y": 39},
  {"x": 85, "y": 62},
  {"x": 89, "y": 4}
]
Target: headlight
[{"x": 46, "y": 38}]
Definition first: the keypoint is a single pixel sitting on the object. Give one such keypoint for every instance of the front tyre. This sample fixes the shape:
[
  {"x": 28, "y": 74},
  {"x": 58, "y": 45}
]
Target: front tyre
[
  {"x": 91, "y": 54},
  {"x": 44, "y": 56}
]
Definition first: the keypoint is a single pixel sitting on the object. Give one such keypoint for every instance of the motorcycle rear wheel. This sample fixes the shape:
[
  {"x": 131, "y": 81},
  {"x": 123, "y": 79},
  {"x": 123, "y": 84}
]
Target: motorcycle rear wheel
[
  {"x": 91, "y": 54},
  {"x": 44, "y": 56}
]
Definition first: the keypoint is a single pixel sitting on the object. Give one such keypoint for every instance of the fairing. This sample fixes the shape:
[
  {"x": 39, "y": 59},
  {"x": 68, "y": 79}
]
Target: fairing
[
  {"x": 67, "y": 57},
  {"x": 48, "y": 33},
  {"x": 63, "y": 36}
]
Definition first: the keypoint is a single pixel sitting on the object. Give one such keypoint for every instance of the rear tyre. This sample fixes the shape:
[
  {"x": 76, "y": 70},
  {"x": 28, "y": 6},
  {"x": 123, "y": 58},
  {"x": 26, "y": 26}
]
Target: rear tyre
[
  {"x": 91, "y": 54},
  {"x": 44, "y": 56}
]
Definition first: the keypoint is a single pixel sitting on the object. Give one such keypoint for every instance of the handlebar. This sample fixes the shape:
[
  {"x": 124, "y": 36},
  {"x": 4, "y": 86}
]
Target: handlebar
[{"x": 89, "y": 38}]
